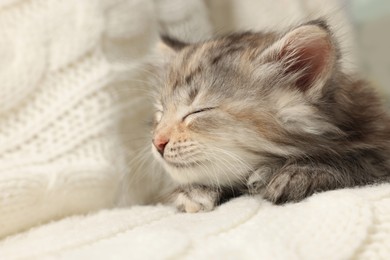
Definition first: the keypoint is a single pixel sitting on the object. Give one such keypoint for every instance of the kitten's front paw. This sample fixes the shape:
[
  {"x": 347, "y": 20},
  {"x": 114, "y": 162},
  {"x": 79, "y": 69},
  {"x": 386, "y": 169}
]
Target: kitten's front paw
[
  {"x": 193, "y": 199},
  {"x": 292, "y": 183}
]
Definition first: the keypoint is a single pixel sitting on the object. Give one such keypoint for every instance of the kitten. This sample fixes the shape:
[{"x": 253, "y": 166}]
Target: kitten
[{"x": 266, "y": 113}]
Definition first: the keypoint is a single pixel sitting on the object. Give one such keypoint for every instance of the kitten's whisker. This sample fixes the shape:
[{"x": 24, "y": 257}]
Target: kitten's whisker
[
  {"x": 236, "y": 157},
  {"x": 129, "y": 174},
  {"x": 207, "y": 172},
  {"x": 143, "y": 157},
  {"x": 215, "y": 172},
  {"x": 202, "y": 166},
  {"x": 234, "y": 171},
  {"x": 213, "y": 155},
  {"x": 224, "y": 172}
]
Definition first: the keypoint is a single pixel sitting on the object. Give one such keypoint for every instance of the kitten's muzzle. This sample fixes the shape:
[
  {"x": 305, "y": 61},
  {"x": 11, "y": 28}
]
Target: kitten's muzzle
[{"x": 160, "y": 143}]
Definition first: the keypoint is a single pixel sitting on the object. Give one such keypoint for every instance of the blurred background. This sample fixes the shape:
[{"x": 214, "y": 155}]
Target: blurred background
[{"x": 371, "y": 24}]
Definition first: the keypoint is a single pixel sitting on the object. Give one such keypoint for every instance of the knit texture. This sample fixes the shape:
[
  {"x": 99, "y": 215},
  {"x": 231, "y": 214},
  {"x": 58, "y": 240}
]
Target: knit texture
[
  {"x": 343, "y": 224},
  {"x": 74, "y": 106},
  {"x": 63, "y": 111}
]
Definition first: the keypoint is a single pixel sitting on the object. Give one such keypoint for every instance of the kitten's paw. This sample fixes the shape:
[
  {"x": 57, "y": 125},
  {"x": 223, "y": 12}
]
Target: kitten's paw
[
  {"x": 195, "y": 199},
  {"x": 292, "y": 183},
  {"x": 257, "y": 181}
]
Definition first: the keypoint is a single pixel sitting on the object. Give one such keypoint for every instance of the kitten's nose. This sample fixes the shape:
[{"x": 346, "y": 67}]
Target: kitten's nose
[{"x": 160, "y": 142}]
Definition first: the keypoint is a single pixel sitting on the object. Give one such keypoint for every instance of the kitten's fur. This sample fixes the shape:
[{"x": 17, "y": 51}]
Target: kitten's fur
[{"x": 266, "y": 113}]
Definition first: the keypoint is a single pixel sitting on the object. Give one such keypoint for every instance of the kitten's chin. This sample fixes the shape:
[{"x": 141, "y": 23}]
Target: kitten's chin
[
  {"x": 203, "y": 172},
  {"x": 183, "y": 173},
  {"x": 185, "y": 176},
  {"x": 191, "y": 176}
]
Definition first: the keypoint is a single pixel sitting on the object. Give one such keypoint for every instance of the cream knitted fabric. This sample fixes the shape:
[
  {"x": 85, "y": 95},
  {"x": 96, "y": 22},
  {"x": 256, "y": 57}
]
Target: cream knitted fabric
[
  {"x": 343, "y": 224},
  {"x": 57, "y": 111}
]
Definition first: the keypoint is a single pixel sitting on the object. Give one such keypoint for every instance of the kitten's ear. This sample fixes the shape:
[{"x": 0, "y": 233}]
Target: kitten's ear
[
  {"x": 306, "y": 53},
  {"x": 170, "y": 46}
]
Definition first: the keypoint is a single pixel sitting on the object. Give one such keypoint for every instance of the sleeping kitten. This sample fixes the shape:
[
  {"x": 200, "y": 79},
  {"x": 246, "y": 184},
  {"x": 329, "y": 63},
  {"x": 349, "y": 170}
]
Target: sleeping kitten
[{"x": 266, "y": 113}]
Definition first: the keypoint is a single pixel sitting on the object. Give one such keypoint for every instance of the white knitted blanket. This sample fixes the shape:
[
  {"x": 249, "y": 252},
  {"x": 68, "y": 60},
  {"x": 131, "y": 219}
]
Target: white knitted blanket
[
  {"x": 73, "y": 113},
  {"x": 345, "y": 224}
]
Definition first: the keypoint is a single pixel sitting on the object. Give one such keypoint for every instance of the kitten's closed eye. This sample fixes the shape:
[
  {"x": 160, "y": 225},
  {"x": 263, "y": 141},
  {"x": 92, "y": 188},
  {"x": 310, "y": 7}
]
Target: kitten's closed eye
[
  {"x": 198, "y": 111},
  {"x": 158, "y": 115}
]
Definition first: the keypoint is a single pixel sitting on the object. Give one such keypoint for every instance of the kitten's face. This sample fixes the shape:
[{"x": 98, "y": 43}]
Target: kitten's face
[{"x": 228, "y": 105}]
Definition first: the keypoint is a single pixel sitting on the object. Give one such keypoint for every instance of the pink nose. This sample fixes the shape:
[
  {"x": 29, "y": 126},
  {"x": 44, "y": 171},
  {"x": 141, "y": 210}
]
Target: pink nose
[{"x": 160, "y": 142}]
